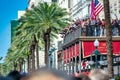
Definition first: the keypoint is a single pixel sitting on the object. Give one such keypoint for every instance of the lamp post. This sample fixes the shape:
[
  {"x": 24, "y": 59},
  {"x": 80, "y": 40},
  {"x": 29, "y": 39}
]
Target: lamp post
[
  {"x": 96, "y": 44},
  {"x": 96, "y": 52}
]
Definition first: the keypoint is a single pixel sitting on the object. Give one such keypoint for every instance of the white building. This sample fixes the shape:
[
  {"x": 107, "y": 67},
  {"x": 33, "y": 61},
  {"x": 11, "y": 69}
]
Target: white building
[
  {"x": 115, "y": 8},
  {"x": 76, "y": 8},
  {"x": 20, "y": 13},
  {"x": 81, "y": 8}
]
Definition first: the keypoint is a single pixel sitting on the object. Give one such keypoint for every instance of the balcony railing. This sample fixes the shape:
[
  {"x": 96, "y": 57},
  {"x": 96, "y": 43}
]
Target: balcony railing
[
  {"x": 60, "y": 44},
  {"x": 72, "y": 35}
]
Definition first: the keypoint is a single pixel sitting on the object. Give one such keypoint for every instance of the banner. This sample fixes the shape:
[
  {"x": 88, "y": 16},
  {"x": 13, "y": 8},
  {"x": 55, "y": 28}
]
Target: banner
[
  {"x": 68, "y": 56},
  {"x": 116, "y": 48},
  {"x": 88, "y": 48},
  {"x": 73, "y": 47},
  {"x": 77, "y": 49},
  {"x": 71, "y": 52},
  {"x": 65, "y": 56}
]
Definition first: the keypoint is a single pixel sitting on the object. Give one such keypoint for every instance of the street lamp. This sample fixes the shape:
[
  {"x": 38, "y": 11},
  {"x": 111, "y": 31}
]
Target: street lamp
[
  {"x": 96, "y": 53},
  {"x": 96, "y": 44}
]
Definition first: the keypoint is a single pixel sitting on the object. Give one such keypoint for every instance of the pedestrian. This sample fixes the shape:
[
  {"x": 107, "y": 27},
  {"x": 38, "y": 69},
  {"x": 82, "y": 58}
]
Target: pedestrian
[
  {"x": 76, "y": 78},
  {"x": 48, "y": 74},
  {"x": 98, "y": 74},
  {"x": 14, "y": 75},
  {"x": 2, "y": 78},
  {"x": 84, "y": 76}
]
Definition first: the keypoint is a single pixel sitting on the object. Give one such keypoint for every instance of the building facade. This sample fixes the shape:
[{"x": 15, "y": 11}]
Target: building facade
[
  {"x": 115, "y": 8},
  {"x": 81, "y": 8},
  {"x": 75, "y": 47},
  {"x": 14, "y": 24},
  {"x": 76, "y": 8}
]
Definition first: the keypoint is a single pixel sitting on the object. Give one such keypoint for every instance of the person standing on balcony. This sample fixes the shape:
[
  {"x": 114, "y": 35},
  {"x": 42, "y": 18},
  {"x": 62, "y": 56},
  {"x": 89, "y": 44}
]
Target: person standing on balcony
[
  {"x": 114, "y": 27},
  {"x": 97, "y": 26},
  {"x": 83, "y": 28},
  {"x": 103, "y": 27},
  {"x": 73, "y": 26},
  {"x": 119, "y": 27},
  {"x": 92, "y": 24},
  {"x": 88, "y": 27}
]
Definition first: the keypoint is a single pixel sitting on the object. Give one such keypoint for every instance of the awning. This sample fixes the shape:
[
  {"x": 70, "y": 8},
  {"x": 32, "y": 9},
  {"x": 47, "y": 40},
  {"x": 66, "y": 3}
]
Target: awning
[{"x": 88, "y": 48}]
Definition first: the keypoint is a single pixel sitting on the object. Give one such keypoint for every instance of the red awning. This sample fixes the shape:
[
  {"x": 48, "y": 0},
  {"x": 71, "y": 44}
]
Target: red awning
[
  {"x": 71, "y": 52},
  {"x": 77, "y": 49},
  {"x": 88, "y": 48},
  {"x": 65, "y": 56}
]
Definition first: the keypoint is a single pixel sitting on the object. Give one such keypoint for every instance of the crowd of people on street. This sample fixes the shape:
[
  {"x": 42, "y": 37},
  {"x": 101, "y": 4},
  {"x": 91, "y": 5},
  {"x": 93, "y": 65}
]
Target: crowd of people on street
[
  {"x": 93, "y": 27},
  {"x": 53, "y": 74}
]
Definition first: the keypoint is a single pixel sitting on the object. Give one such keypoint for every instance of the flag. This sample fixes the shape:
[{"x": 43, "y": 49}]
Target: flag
[
  {"x": 92, "y": 15},
  {"x": 98, "y": 7}
]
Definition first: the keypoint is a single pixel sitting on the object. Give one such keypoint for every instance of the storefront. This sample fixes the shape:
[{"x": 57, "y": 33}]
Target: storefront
[{"x": 81, "y": 48}]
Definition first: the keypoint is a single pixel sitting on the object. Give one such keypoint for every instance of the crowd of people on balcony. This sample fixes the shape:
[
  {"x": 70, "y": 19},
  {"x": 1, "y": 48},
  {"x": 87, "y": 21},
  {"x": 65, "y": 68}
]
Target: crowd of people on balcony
[{"x": 93, "y": 27}]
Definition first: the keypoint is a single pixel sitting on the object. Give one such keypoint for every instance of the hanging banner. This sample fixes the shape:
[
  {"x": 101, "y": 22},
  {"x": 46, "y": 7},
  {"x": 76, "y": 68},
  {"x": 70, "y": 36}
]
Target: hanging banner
[
  {"x": 88, "y": 48},
  {"x": 77, "y": 49},
  {"x": 71, "y": 52},
  {"x": 65, "y": 56},
  {"x": 68, "y": 56},
  {"x": 73, "y": 47},
  {"x": 116, "y": 48}
]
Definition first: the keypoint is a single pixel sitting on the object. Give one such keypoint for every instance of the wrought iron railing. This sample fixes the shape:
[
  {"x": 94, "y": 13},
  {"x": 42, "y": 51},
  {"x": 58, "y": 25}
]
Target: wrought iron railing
[
  {"x": 60, "y": 44},
  {"x": 72, "y": 35}
]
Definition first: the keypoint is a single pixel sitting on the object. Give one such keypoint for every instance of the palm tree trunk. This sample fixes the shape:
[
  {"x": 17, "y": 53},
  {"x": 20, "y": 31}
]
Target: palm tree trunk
[
  {"x": 47, "y": 44},
  {"x": 15, "y": 65},
  {"x": 28, "y": 60},
  {"x": 33, "y": 60},
  {"x": 37, "y": 55},
  {"x": 109, "y": 38},
  {"x": 46, "y": 52},
  {"x": 20, "y": 65}
]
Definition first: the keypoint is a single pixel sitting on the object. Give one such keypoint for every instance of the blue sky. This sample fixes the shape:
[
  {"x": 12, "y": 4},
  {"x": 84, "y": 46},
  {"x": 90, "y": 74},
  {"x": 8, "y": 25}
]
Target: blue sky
[{"x": 8, "y": 11}]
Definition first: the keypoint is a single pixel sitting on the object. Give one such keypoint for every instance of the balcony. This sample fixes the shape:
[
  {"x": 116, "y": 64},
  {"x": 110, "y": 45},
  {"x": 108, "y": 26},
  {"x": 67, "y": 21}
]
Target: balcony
[
  {"x": 72, "y": 35},
  {"x": 60, "y": 45},
  {"x": 77, "y": 35}
]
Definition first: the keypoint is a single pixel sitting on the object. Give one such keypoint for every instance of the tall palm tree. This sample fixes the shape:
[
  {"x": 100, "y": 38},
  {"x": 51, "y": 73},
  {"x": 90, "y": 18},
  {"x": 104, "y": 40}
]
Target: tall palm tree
[
  {"x": 48, "y": 18},
  {"x": 109, "y": 38},
  {"x": 29, "y": 38}
]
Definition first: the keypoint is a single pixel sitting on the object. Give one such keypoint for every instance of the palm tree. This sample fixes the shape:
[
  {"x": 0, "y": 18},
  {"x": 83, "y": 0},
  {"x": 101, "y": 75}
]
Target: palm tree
[
  {"x": 109, "y": 38},
  {"x": 29, "y": 38},
  {"x": 38, "y": 25},
  {"x": 48, "y": 18}
]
